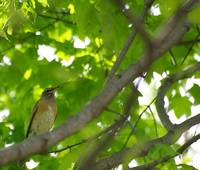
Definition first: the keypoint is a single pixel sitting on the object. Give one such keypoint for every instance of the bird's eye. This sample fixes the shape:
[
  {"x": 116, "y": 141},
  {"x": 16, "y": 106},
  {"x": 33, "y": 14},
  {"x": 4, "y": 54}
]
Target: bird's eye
[{"x": 48, "y": 90}]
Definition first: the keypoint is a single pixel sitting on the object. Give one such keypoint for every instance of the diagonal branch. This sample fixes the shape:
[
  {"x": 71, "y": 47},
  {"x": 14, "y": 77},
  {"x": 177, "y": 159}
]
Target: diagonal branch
[
  {"x": 136, "y": 123},
  {"x": 130, "y": 39},
  {"x": 122, "y": 54},
  {"x": 119, "y": 114},
  {"x": 179, "y": 151},
  {"x": 188, "y": 42},
  {"x": 188, "y": 143},
  {"x": 87, "y": 161},
  {"x": 190, "y": 48},
  {"x": 61, "y": 18},
  {"x": 141, "y": 149},
  {"x": 136, "y": 21},
  {"x": 173, "y": 57},
  {"x": 154, "y": 121},
  {"x": 176, "y": 21},
  {"x": 90, "y": 139}
]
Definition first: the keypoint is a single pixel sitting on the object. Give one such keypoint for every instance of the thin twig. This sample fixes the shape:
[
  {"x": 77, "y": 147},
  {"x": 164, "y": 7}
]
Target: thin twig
[
  {"x": 55, "y": 18},
  {"x": 154, "y": 121},
  {"x": 27, "y": 37},
  {"x": 87, "y": 161},
  {"x": 186, "y": 42},
  {"x": 61, "y": 12},
  {"x": 190, "y": 48},
  {"x": 69, "y": 147},
  {"x": 173, "y": 57},
  {"x": 33, "y": 33},
  {"x": 136, "y": 21},
  {"x": 122, "y": 54},
  {"x": 141, "y": 149},
  {"x": 105, "y": 131},
  {"x": 129, "y": 104},
  {"x": 137, "y": 121},
  {"x": 131, "y": 38},
  {"x": 119, "y": 114},
  {"x": 179, "y": 151},
  {"x": 108, "y": 129}
]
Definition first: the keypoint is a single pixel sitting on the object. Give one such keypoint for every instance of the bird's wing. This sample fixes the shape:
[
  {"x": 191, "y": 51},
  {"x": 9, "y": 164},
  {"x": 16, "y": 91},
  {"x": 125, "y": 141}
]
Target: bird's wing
[{"x": 35, "y": 108}]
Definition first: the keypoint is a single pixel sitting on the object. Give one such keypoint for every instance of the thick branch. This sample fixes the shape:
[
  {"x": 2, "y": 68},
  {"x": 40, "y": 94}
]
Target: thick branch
[
  {"x": 141, "y": 149},
  {"x": 87, "y": 161},
  {"x": 188, "y": 143},
  {"x": 154, "y": 163},
  {"x": 177, "y": 20},
  {"x": 165, "y": 87},
  {"x": 130, "y": 39},
  {"x": 136, "y": 21}
]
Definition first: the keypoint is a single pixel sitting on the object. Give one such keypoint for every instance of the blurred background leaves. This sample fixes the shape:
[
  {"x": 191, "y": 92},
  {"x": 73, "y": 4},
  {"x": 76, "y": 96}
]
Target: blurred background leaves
[{"x": 46, "y": 43}]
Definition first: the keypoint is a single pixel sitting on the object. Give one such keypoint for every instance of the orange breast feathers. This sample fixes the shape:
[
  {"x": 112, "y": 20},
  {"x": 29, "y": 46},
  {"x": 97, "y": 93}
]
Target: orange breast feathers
[{"x": 43, "y": 117}]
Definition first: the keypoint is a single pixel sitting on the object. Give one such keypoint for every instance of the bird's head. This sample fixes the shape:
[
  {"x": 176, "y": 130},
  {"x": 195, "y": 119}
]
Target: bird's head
[{"x": 49, "y": 92}]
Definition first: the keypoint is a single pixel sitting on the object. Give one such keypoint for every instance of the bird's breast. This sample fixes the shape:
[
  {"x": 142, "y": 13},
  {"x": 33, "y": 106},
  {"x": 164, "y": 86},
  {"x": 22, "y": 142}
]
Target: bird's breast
[{"x": 44, "y": 117}]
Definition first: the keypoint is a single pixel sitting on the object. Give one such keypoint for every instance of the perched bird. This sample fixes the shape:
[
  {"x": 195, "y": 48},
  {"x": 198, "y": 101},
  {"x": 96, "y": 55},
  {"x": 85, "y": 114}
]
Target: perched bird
[{"x": 43, "y": 114}]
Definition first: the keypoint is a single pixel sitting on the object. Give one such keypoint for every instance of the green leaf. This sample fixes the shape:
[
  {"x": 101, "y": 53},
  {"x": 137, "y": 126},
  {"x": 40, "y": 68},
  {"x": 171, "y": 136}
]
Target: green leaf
[
  {"x": 180, "y": 105},
  {"x": 194, "y": 91},
  {"x": 82, "y": 72},
  {"x": 160, "y": 150}
]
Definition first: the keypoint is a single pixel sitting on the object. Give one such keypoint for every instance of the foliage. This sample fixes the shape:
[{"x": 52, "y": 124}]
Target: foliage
[{"x": 38, "y": 49}]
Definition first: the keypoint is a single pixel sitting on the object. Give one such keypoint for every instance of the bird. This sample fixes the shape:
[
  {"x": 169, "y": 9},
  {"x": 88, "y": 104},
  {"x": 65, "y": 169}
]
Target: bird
[{"x": 43, "y": 114}]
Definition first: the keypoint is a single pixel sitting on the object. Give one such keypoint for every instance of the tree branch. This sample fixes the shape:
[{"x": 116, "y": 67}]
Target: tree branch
[
  {"x": 173, "y": 57},
  {"x": 154, "y": 163},
  {"x": 165, "y": 87},
  {"x": 188, "y": 143},
  {"x": 178, "y": 20},
  {"x": 141, "y": 149},
  {"x": 188, "y": 42},
  {"x": 87, "y": 161},
  {"x": 154, "y": 121},
  {"x": 136, "y": 123},
  {"x": 190, "y": 48},
  {"x": 131, "y": 38},
  {"x": 136, "y": 21},
  {"x": 119, "y": 114},
  {"x": 55, "y": 18}
]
